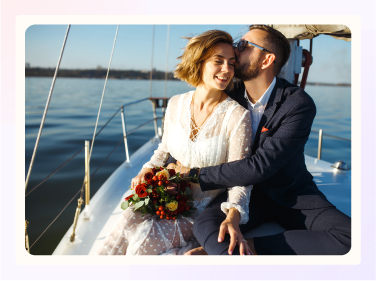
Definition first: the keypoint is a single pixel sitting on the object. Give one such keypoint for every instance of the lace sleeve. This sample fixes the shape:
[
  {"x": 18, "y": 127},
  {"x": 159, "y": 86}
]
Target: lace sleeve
[
  {"x": 239, "y": 148},
  {"x": 161, "y": 155}
]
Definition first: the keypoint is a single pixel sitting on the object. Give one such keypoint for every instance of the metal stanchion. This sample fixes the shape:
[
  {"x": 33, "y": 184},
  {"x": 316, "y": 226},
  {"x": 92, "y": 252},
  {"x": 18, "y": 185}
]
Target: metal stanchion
[
  {"x": 320, "y": 145},
  {"x": 125, "y": 136},
  {"x": 78, "y": 211},
  {"x": 87, "y": 180},
  {"x": 27, "y": 247}
]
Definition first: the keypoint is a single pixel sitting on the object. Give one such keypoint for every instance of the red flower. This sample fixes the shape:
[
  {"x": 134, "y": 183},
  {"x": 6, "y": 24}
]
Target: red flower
[
  {"x": 161, "y": 168},
  {"x": 151, "y": 182},
  {"x": 148, "y": 176},
  {"x": 154, "y": 171},
  {"x": 171, "y": 172},
  {"x": 141, "y": 190},
  {"x": 154, "y": 195},
  {"x": 184, "y": 185},
  {"x": 181, "y": 197},
  {"x": 128, "y": 197},
  {"x": 181, "y": 206}
]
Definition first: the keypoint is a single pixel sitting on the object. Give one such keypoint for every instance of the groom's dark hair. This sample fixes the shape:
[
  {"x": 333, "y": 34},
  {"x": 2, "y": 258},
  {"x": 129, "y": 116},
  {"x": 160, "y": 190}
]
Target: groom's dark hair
[{"x": 277, "y": 43}]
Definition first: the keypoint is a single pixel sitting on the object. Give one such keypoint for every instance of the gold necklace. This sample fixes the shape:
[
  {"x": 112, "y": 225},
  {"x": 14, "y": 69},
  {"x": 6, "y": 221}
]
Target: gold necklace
[{"x": 194, "y": 127}]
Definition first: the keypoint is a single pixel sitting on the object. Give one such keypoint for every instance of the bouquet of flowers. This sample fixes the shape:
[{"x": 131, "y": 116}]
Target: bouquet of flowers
[{"x": 163, "y": 193}]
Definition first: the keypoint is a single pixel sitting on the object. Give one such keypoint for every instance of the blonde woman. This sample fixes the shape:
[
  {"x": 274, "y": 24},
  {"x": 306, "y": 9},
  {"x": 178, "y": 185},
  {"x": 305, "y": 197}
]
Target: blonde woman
[{"x": 202, "y": 128}]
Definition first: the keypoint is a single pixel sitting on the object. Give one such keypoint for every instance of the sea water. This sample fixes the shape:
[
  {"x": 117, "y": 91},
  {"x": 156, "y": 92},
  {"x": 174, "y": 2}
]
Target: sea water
[{"x": 71, "y": 119}]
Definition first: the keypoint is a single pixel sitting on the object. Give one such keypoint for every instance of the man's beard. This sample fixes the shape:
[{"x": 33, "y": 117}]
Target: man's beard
[{"x": 248, "y": 71}]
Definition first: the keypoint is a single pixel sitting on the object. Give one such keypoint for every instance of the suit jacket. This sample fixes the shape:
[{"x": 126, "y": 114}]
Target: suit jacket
[{"x": 276, "y": 164}]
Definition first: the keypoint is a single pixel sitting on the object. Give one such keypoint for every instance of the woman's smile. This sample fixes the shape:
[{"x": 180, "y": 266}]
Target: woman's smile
[{"x": 218, "y": 70}]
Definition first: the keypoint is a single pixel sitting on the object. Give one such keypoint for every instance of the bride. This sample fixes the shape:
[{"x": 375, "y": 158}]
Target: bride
[{"x": 202, "y": 128}]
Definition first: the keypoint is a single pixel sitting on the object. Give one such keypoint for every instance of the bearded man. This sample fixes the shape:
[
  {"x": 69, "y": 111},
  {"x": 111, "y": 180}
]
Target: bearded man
[{"x": 283, "y": 190}]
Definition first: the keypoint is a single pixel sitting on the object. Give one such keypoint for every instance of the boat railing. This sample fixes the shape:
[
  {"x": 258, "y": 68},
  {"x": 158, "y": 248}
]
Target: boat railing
[
  {"x": 86, "y": 183},
  {"x": 321, "y": 134}
]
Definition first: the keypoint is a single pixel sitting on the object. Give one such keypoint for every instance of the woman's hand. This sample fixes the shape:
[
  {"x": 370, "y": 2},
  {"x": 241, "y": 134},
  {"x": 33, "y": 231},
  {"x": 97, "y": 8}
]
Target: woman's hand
[
  {"x": 179, "y": 168},
  {"x": 140, "y": 177},
  {"x": 171, "y": 166},
  {"x": 231, "y": 226}
]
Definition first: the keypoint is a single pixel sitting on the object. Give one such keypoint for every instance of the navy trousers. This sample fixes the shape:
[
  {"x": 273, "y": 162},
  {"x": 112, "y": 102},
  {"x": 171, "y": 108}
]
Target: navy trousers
[{"x": 324, "y": 231}]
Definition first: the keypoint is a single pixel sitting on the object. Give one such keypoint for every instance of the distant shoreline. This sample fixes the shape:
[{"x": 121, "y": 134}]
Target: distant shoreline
[
  {"x": 98, "y": 73},
  {"x": 123, "y": 74}
]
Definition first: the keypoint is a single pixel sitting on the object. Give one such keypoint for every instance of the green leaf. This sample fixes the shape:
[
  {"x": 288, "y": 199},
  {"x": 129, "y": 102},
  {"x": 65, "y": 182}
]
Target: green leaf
[
  {"x": 139, "y": 204},
  {"x": 135, "y": 197},
  {"x": 124, "y": 205},
  {"x": 186, "y": 214},
  {"x": 172, "y": 178},
  {"x": 147, "y": 200},
  {"x": 188, "y": 191}
]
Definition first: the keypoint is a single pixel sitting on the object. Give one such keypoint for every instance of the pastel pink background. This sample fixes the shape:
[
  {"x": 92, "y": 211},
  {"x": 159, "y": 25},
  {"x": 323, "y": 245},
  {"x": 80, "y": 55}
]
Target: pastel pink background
[{"x": 11, "y": 9}]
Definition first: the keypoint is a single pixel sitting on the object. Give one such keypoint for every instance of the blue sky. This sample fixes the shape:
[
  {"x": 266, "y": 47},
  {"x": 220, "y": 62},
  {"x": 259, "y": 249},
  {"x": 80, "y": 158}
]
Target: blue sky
[{"x": 89, "y": 46}]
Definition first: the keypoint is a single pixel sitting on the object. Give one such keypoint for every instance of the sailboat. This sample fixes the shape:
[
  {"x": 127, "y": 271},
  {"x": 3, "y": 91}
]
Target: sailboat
[{"x": 100, "y": 212}]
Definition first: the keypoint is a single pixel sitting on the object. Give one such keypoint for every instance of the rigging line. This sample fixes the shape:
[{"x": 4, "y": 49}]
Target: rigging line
[
  {"x": 56, "y": 217},
  {"x": 54, "y": 171},
  {"x": 46, "y": 108},
  {"x": 134, "y": 102},
  {"x": 130, "y": 132},
  {"x": 92, "y": 175},
  {"x": 168, "y": 42},
  {"x": 104, "y": 88},
  {"x": 147, "y": 122},
  {"x": 152, "y": 57},
  {"x": 83, "y": 184},
  {"x": 71, "y": 157},
  {"x": 109, "y": 120},
  {"x": 331, "y": 136}
]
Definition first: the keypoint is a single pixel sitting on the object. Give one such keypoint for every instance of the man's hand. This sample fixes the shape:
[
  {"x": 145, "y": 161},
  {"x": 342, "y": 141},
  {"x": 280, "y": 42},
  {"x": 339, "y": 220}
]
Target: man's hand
[{"x": 231, "y": 226}]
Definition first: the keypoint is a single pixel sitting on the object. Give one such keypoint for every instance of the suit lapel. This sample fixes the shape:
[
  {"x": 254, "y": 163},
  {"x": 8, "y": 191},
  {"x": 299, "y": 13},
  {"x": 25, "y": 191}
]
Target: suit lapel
[
  {"x": 238, "y": 95},
  {"x": 243, "y": 101},
  {"x": 271, "y": 106}
]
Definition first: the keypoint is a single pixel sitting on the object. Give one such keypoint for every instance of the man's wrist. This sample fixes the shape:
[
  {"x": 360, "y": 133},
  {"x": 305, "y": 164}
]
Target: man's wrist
[{"x": 194, "y": 172}]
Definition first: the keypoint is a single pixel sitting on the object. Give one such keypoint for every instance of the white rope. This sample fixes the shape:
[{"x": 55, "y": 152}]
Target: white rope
[
  {"x": 104, "y": 88},
  {"x": 152, "y": 56},
  {"x": 46, "y": 108},
  {"x": 168, "y": 41}
]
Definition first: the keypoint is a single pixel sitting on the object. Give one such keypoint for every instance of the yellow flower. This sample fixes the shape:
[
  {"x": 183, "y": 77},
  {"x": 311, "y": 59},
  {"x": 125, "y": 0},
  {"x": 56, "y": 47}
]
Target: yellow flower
[
  {"x": 164, "y": 173},
  {"x": 172, "y": 206}
]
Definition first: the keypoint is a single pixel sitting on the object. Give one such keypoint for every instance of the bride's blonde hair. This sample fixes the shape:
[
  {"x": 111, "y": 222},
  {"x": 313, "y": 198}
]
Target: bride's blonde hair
[{"x": 198, "y": 49}]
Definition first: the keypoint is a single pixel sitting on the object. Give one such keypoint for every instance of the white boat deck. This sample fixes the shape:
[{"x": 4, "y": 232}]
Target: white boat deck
[{"x": 105, "y": 204}]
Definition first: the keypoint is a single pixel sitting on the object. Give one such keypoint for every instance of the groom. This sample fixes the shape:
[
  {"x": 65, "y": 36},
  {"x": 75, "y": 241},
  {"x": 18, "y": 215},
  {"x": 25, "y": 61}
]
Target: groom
[{"x": 283, "y": 189}]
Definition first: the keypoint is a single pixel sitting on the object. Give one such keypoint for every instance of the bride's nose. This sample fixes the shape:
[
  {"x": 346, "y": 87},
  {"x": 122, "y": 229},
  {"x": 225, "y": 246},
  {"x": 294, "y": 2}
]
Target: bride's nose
[{"x": 226, "y": 67}]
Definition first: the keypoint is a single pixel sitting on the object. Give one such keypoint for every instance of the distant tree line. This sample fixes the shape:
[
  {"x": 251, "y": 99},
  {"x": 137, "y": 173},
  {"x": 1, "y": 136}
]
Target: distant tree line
[
  {"x": 121, "y": 74},
  {"x": 98, "y": 73}
]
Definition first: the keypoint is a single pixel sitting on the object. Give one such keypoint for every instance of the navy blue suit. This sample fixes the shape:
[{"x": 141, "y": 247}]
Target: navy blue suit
[{"x": 283, "y": 188}]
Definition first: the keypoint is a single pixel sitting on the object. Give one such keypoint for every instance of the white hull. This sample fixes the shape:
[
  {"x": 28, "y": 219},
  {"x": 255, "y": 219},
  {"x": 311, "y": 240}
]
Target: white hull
[{"x": 105, "y": 204}]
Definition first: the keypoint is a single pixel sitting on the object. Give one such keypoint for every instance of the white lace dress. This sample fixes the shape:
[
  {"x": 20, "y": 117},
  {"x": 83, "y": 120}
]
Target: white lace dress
[{"x": 224, "y": 137}]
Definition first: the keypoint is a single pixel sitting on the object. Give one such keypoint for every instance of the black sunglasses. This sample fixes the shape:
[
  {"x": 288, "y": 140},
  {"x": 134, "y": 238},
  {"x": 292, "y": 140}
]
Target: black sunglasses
[{"x": 243, "y": 43}]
